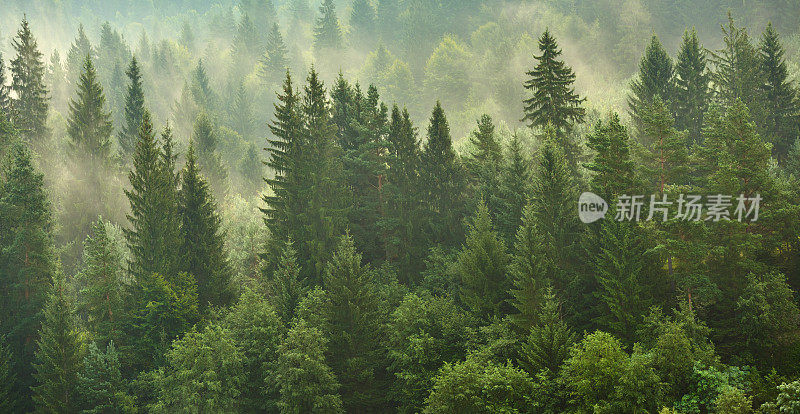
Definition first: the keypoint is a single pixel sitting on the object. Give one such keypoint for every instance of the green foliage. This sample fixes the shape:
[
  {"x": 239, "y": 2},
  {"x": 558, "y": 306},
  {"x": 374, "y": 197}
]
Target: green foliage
[
  {"x": 780, "y": 95},
  {"x": 134, "y": 111},
  {"x": 27, "y": 82},
  {"x": 327, "y": 32},
  {"x": 549, "y": 341},
  {"x": 691, "y": 93},
  {"x": 276, "y": 59},
  {"x": 100, "y": 384},
  {"x": 665, "y": 156},
  {"x": 612, "y": 165},
  {"x": 654, "y": 80},
  {"x": 514, "y": 189},
  {"x": 7, "y": 378},
  {"x": 285, "y": 287},
  {"x": 208, "y": 158},
  {"x": 89, "y": 126}
]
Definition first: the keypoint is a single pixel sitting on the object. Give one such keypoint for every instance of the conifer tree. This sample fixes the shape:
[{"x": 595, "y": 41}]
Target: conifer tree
[
  {"x": 8, "y": 399},
  {"x": 327, "y": 32},
  {"x": 362, "y": 19},
  {"x": 781, "y": 100},
  {"x": 56, "y": 82},
  {"x": 246, "y": 42},
  {"x": 5, "y": 97},
  {"x": 276, "y": 59},
  {"x": 612, "y": 164},
  {"x": 27, "y": 82},
  {"x": 554, "y": 100},
  {"x": 482, "y": 266},
  {"x": 207, "y": 156},
  {"x": 200, "y": 87},
  {"x": 89, "y": 124},
  {"x": 655, "y": 79},
  {"x": 134, "y": 111},
  {"x": 27, "y": 260},
  {"x": 355, "y": 323},
  {"x": 76, "y": 56},
  {"x": 514, "y": 190},
  {"x": 100, "y": 384},
  {"x": 549, "y": 341},
  {"x": 691, "y": 86},
  {"x": 666, "y": 158},
  {"x": 444, "y": 182},
  {"x": 59, "y": 354},
  {"x": 485, "y": 163},
  {"x": 241, "y": 115},
  {"x": 387, "y": 14},
  {"x": 101, "y": 290},
  {"x": 203, "y": 246},
  {"x": 285, "y": 287},
  {"x": 261, "y": 12}
]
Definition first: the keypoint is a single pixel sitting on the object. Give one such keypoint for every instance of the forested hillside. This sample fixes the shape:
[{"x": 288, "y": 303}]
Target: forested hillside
[{"x": 372, "y": 206}]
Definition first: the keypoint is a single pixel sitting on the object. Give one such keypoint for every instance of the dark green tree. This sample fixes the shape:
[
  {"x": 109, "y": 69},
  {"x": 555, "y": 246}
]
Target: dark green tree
[
  {"x": 665, "y": 156},
  {"x": 554, "y": 100},
  {"x": 485, "y": 163},
  {"x": 100, "y": 384},
  {"x": 654, "y": 79},
  {"x": 691, "y": 94},
  {"x": 134, "y": 111},
  {"x": 549, "y": 341},
  {"x": 59, "y": 354},
  {"x": 612, "y": 165},
  {"x": 27, "y": 82},
  {"x": 514, "y": 191},
  {"x": 327, "y": 32},
  {"x": 781, "y": 100},
  {"x": 285, "y": 287},
  {"x": 89, "y": 125},
  {"x": 8, "y": 399}
]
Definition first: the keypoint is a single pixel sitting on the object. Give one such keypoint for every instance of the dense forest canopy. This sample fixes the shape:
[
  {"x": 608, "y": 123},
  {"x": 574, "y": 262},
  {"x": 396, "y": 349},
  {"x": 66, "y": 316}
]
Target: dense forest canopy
[{"x": 357, "y": 206}]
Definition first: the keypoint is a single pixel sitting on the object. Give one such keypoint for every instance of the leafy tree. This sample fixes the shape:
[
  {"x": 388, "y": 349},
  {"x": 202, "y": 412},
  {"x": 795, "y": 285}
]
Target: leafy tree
[
  {"x": 27, "y": 82},
  {"x": 781, "y": 100},
  {"x": 477, "y": 386},
  {"x": 307, "y": 383},
  {"x": 59, "y": 354},
  {"x": 203, "y": 245},
  {"x": 554, "y": 100},
  {"x": 655, "y": 79},
  {"x": 204, "y": 373},
  {"x": 612, "y": 164},
  {"x": 100, "y": 298},
  {"x": 89, "y": 124},
  {"x": 425, "y": 332},
  {"x": 100, "y": 384},
  {"x": 327, "y": 32},
  {"x": 691, "y": 94},
  {"x": 27, "y": 260},
  {"x": 482, "y": 266},
  {"x": 134, "y": 111}
]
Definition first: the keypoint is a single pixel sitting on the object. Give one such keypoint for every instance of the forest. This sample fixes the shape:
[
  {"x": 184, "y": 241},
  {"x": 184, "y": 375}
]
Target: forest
[{"x": 412, "y": 206}]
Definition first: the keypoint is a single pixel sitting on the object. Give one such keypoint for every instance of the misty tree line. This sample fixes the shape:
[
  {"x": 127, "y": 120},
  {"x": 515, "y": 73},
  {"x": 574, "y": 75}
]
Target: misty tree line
[{"x": 398, "y": 274}]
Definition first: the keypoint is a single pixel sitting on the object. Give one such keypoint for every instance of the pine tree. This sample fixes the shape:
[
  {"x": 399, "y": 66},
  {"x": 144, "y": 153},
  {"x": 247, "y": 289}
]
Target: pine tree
[
  {"x": 203, "y": 246},
  {"x": 27, "y": 82},
  {"x": 444, "y": 181},
  {"x": 482, "y": 266},
  {"x": 101, "y": 290},
  {"x": 691, "y": 86},
  {"x": 554, "y": 100},
  {"x": 549, "y": 341},
  {"x": 200, "y": 86},
  {"x": 485, "y": 163},
  {"x": 100, "y": 385},
  {"x": 76, "y": 56},
  {"x": 276, "y": 59},
  {"x": 89, "y": 125},
  {"x": 207, "y": 156},
  {"x": 241, "y": 115},
  {"x": 59, "y": 354},
  {"x": 134, "y": 111},
  {"x": 285, "y": 287},
  {"x": 514, "y": 190},
  {"x": 655, "y": 79},
  {"x": 354, "y": 309},
  {"x": 612, "y": 162},
  {"x": 5, "y": 97},
  {"x": 327, "y": 32},
  {"x": 781, "y": 100},
  {"x": 362, "y": 19},
  {"x": 27, "y": 260},
  {"x": 154, "y": 237}
]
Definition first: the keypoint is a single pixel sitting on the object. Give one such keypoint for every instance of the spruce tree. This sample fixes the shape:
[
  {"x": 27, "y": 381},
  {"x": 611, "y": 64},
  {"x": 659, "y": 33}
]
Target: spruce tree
[
  {"x": 101, "y": 288},
  {"x": 482, "y": 266},
  {"x": 327, "y": 32},
  {"x": 134, "y": 111},
  {"x": 485, "y": 163},
  {"x": 691, "y": 86},
  {"x": 241, "y": 113},
  {"x": 362, "y": 19},
  {"x": 655, "y": 79},
  {"x": 5, "y": 97},
  {"x": 276, "y": 59},
  {"x": 203, "y": 246},
  {"x": 444, "y": 183},
  {"x": 27, "y": 260},
  {"x": 56, "y": 82},
  {"x": 59, "y": 355},
  {"x": 285, "y": 287},
  {"x": 76, "y": 56},
  {"x": 549, "y": 341},
  {"x": 89, "y": 125},
  {"x": 100, "y": 384},
  {"x": 8, "y": 399},
  {"x": 554, "y": 100},
  {"x": 612, "y": 164},
  {"x": 27, "y": 82},
  {"x": 207, "y": 156},
  {"x": 514, "y": 190},
  {"x": 200, "y": 87},
  {"x": 261, "y": 12},
  {"x": 665, "y": 158},
  {"x": 781, "y": 100}
]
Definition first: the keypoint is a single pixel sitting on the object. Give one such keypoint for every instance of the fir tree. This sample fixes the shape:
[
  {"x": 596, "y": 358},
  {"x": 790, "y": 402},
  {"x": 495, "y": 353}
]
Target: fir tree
[
  {"x": 5, "y": 97},
  {"x": 59, "y": 355},
  {"x": 485, "y": 163},
  {"x": 362, "y": 19},
  {"x": 134, "y": 111},
  {"x": 251, "y": 168},
  {"x": 89, "y": 125},
  {"x": 241, "y": 116},
  {"x": 76, "y": 56},
  {"x": 200, "y": 87},
  {"x": 246, "y": 43},
  {"x": 27, "y": 82},
  {"x": 612, "y": 162},
  {"x": 27, "y": 260},
  {"x": 100, "y": 385},
  {"x": 554, "y": 100},
  {"x": 202, "y": 246},
  {"x": 276, "y": 59},
  {"x": 8, "y": 399},
  {"x": 691, "y": 86},
  {"x": 514, "y": 190},
  {"x": 100, "y": 296},
  {"x": 549, "y": 341},
  {"x": 285, "y": 287},
  {"x": 655, "y": 79},
  {"x": 57, "y": 83},
  {"x": 207, "y": 156},
  {"x": 327, "y": 32},
  {"x": 261, "y": 12},
  {"x": 781, "y": 100},
  {"x": 666, "y": 158},
  {"x": 482, "y": 266}
]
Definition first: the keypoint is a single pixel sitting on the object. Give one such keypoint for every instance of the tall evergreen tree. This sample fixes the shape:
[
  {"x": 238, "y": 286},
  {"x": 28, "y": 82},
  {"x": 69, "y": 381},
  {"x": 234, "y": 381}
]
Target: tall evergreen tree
[
  {"x": 203, "y": 246},
  {"x": 8, "y": 399},
  {"x": 554, "y": 100},
  {"x": 100, "y": 384},
  {"x": 514, "y": 189},
  {"x": 56, "y": 82},
  {"x": 207, "y": 156},
  {"x": 134, "y": 111},
  {"x": 76, "y": 56},
  {"x": 655, "y": 79},
  {"x": 485, "y": 163},
  {"x": 5, "y": 97},
  {"x": 549, "y": 341},
  {"x": 59, "y": 355},
  {"x": 781, "y": 100},
  {"x": 285, "y": 287},
  {"x": 27, "y": 82},
  {"x": 327, "y": 32},
  {"x": 665, "y": 158},
  {"x": 362, "y": 19},
  {"x": 89, "y": 125},
  {"x": 276, "y": 59},
  {"x": 241, "y": 113},
  {"x": 691, "y": 93},
  {"x": 200, "y": 87},
  {"x": 27, "y": 261},
  {"x": 612, "y": 163}
]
